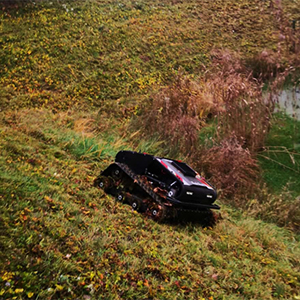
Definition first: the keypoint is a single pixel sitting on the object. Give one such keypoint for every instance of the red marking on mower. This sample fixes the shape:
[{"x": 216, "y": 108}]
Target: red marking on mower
[
  {"x": 179, "y": 177},
  {"x": 202, "y": 180},
  {"x": 165, "y": 165}
]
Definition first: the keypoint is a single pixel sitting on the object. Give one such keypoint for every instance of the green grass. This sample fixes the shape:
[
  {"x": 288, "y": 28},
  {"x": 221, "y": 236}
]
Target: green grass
[
  {"x": 67, "y": 240},
  {"x": 281, "y": 159},
  {"x": 108, "y": 50}
]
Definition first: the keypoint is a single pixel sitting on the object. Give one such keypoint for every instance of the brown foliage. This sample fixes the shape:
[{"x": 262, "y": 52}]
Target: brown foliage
[
  {"x": 230, "y": 167},
  {"x": 230, "y": 94},
  {"x": 245, "y": 113},
  {"x": 266, "y": 65},
  {"x": 177, "y": 113}
]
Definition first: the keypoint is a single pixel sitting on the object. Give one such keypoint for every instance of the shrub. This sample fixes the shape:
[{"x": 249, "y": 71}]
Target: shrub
[
  {"x": 265, "y": 65},
  {"x": 245, "y": 113},
  {"x": 241, "y": 114},
  {"x": 231, "y": 168},
  {"x": 177, "y": 113}
]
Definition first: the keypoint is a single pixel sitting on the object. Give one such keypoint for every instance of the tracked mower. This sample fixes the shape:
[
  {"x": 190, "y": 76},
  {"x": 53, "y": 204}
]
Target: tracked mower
[{"x": 159, "y": 187}]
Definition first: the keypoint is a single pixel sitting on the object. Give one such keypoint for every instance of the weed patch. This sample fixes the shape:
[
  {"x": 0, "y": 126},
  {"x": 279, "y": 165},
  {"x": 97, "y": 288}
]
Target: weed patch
[{"x": 232, "y": 169}]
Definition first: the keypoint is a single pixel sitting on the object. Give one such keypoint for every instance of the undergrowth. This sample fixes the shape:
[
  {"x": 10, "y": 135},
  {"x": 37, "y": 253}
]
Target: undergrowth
[
  {"x": 229, "y": 107},
  {"x": 227, "y": 100}
]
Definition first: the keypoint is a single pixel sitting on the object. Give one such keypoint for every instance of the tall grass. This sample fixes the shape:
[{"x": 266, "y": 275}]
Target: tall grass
[
  {"x": 244, "y": 112},
  {"x": 175, "y": 114},
  {"x": 232, "y": 168},
  {"x": 280, "y": 159}
]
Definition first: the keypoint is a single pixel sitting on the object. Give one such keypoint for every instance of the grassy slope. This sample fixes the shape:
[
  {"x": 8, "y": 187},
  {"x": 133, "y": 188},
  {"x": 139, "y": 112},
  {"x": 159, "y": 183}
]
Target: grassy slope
[
  {"x": 281, "y": 159},
  {"x": 61, "y": 238},
  {"x": 66, "y": 239},
  {"x": 120, "y": 51}
]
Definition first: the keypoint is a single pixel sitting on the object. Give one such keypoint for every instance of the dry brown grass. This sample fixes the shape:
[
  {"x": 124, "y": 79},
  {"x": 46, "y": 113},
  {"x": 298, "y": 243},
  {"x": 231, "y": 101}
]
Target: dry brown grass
[
  {"x": 244, "y": 112},
  {"x": 228, "y": 91},
  {"x": 232, "y": 97},
  {"x": 177, "y": 113},
  {"x": 231, "y": 168}
]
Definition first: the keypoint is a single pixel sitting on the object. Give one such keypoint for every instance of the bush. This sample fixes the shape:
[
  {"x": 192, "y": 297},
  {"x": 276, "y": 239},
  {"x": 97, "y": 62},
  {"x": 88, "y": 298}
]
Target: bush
[
  {"x": 245, "y": 113},
  {"x": 177, "y": 113},
  {"x": 231, "y": 168}
]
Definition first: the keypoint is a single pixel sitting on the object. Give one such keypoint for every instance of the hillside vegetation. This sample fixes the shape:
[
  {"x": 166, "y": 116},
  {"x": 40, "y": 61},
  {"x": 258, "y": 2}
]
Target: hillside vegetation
[
  {"x": 61, "y": 238},
  {"x": 80, "y": 81},
  {"x": 91, "y": 52}
]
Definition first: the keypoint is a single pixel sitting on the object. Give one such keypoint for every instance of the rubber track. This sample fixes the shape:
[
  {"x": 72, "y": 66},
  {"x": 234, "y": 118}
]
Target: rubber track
[
  {"x": 153, "y": 195},
  {"x": 200, "y": 212},
  {"x": 141, "y": 184}
]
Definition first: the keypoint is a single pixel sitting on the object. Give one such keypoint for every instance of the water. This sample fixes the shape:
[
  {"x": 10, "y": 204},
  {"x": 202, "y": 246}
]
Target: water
[{"x": 289, "y": 101}]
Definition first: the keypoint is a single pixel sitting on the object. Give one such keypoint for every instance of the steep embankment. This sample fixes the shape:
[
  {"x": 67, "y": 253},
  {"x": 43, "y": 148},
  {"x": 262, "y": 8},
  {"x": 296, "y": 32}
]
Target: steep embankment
[
  {"x": 88, "y": 53},
  {"x": 60, "y": 238}
]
